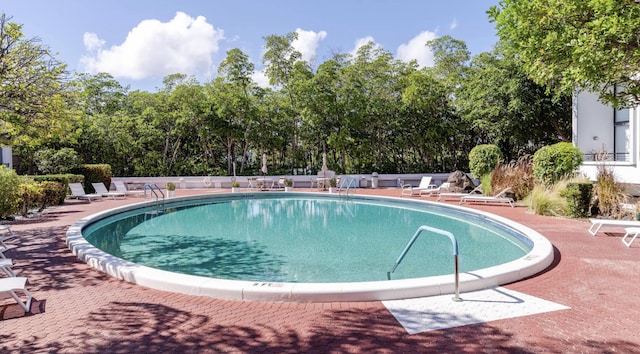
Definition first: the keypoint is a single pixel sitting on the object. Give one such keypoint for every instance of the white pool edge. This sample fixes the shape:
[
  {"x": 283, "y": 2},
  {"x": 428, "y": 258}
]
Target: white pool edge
[{"x": 537, "y": 260}]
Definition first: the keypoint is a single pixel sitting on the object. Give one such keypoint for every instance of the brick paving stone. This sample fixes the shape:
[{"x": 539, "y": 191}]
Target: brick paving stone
[{"x": 86, "y": 311}]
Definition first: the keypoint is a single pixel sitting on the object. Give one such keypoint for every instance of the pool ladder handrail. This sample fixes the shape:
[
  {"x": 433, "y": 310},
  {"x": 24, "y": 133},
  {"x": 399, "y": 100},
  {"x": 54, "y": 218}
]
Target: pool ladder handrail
[
  {"x": 152, "y": 187},
  {"x": 454, "y": 243},
  {"x": 346, "y": 182}
]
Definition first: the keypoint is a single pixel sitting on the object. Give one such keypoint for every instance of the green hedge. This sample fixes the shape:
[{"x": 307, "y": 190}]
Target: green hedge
[
  {"x": 95, "y": 173},
  {"x": 553, "y": 162},
  {"x": 63, "y": 180},
  {"x": 578, "y": 196},
  {"x": 483, "y": 159}
]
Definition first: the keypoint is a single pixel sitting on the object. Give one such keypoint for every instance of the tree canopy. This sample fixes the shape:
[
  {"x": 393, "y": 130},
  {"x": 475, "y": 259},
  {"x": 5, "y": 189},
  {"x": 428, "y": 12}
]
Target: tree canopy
[
  {"x": 569, "y": 45},
  {"x": 367, "y": 111}
]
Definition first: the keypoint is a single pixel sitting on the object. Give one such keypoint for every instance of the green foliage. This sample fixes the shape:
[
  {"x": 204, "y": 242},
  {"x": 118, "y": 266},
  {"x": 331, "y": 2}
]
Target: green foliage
[
  {"x": 554, "y": 162},
  {"x": 53, "y": 193},
  {"x": 547, "y": 200},
  {"x": 9, "y": 192},
  {"x": 288, "y": 182},
  {"x": 171, "y": 186},
  {"x": 609, "y": 193},
  {"x": 61, "y": 161},
  {"x": 94, "y": 173},
  {"x": 516, "y": 175},
  {"x": 483, "y": 159},
  {"x": 235, "y": 184},
  {"x": 31, "y": 195},
  {"x": 569, "y": 44},
  {"x": 485, "y": 182},
  {"x": 578, "y": 196},
  {"x": 333, "y": 182}
]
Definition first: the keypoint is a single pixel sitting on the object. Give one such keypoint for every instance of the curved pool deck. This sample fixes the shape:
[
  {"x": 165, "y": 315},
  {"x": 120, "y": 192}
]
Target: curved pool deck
[{"x": 537, "y": 260}]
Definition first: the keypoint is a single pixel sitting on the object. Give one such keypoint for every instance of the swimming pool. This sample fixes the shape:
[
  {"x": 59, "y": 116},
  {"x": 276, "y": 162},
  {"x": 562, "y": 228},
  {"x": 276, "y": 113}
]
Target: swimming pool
[{"x": 245, "y": 238}]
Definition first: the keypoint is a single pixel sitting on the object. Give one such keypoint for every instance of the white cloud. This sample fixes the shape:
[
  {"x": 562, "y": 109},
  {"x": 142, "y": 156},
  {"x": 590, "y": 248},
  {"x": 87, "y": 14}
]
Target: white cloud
[
  {"x": 183, "y": 45},
  {"x": 307, "y": 43},
  {"x": 260, "y": 78},
  {"x": 360, "y": 42},
  {"x": 453, "y": 24},
  {"x": 92, "y": 42},
  {"x": 417, "y": 49}
]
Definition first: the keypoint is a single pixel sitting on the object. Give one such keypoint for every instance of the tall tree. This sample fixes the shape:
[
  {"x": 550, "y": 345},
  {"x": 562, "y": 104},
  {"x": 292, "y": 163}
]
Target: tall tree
[
  {"x": 576, "y": 44},
  {"x": 34, "y": 102}
]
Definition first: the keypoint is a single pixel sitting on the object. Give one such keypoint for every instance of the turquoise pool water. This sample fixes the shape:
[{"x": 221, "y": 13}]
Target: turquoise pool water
[{"x": 303, "y": 239}]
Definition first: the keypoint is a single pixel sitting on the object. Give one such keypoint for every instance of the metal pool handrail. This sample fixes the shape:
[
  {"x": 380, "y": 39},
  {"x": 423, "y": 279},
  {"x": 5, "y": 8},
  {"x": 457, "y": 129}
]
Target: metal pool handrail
[{"x": 454, "y": 243}]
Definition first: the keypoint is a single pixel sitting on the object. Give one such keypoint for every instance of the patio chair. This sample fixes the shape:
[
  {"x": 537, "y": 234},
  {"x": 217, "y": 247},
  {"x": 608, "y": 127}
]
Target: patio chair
[
  {"x": 497, "y": 198},
  {"x": 444, "y": 187},
  {"x": 11, "y": 286},
  {"x": 11, "y": 235},
  {"x": 103, "y": 191},
  {"x": 77, "y": 192},
  {"x": 424, "y": 186},
  {"x": 597, "y": 224},
  {"x": 634, "y": 232},
  {"x": 122, "y": 188},
  {"x": 457, "y": 196},
  {"x": 5, "y": 265}
]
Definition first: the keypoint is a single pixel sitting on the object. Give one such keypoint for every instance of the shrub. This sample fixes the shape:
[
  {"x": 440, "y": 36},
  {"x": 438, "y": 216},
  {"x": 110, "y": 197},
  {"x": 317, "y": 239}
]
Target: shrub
[
  {"x": 517, "y": 175},
  {"x": 30, "y": 196},
  {"x": 53, "y": 193},
  {"x": 171, "y": 186},
  {"x": 9, "y": 192},
  {"x": 609, "y": 193},
  {"x": 483, "y": 159},
  {"x": 62, "y": 181},
  {"x": 578, "y": 196},
  {"x": 94, "y": 173},
  {"x": 547, "y": 200},
  {"x": 56, "y": 161},
  {"x": 554, "y": 162}
]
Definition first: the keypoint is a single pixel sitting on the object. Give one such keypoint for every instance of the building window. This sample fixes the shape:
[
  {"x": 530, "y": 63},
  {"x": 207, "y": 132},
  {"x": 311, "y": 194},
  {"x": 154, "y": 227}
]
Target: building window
[{"x": 621, "y": 134}]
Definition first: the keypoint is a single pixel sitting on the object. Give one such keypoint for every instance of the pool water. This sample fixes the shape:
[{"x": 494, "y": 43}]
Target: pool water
[{"x": 304, "y": 239}]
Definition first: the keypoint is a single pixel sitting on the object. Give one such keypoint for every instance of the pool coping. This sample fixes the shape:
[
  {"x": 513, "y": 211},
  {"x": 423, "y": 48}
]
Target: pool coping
[{"x": 537, "y": 260}]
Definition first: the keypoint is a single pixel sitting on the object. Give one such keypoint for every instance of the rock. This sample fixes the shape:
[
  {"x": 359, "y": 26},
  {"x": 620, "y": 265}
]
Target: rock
[{"x": 460, "y": 182}]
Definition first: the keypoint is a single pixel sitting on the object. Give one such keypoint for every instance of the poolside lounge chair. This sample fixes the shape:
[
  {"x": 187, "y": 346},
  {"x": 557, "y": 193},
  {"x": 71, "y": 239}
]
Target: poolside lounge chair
[
  {"x": 103, "y": 191},
  {"x": 5, "y": 266},
  {"x": 10, "y": 286},
  {"x": 122, "y": 188},
  {"x": 424, "y": 186},
  {"x": 498, "y": 198},
  {"x": 444, "y": 187},
  {"x": 597, "y": 224},
  {"x": 457, "y": 196},
  {"x": 630, "y": 231},
  {"x": 11, "y": 235},
  {"x": 77, "y": 191}
]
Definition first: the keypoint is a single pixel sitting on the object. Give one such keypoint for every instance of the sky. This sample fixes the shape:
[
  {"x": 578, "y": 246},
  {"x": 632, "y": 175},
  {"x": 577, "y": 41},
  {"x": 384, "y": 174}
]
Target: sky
[{"x": 139, "y": 42}]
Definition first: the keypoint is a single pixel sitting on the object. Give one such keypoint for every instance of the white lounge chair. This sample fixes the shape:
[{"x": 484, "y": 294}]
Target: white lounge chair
[
  {"x": 103, "y": 191},
  {"x": 630, "y": 231},
  {"x": 444, "y": 187},
  {"x": 498, "y": 198},
  {"x": 477, "y": 190},
  {"x": 77, "y": 191},
  {"x": 424, "y": 187},
  {"x": 122, "y": 188},
  {"x": 11, "y": 235},
  {"x": 5, "y": 265},
  {"x": 597, "y": 224},
  {"x": 10, "y": 286}
]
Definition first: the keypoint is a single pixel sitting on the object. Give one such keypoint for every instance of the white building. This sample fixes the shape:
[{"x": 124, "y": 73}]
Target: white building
[{"x": 600, "y": 128}]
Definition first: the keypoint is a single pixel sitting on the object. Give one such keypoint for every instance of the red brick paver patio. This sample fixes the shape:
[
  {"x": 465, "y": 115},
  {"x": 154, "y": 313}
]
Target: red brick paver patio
[{"x": 80, "y": 310}]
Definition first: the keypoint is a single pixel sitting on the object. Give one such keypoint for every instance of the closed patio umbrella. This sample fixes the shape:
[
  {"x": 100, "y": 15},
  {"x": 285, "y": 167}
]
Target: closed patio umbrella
[{"x": 264, "y": 164}]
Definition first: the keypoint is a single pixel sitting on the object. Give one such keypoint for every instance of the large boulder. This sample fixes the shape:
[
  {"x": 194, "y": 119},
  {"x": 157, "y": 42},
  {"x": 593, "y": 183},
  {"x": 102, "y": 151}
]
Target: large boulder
[{"x": 460, "y": 182}]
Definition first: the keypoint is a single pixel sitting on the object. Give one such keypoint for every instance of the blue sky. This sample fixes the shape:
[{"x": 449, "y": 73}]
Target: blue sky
[{"x": 139, "y": 42}]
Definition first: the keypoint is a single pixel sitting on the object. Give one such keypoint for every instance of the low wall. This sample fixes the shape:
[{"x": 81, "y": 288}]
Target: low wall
[{"x": 198, "y": 182}]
